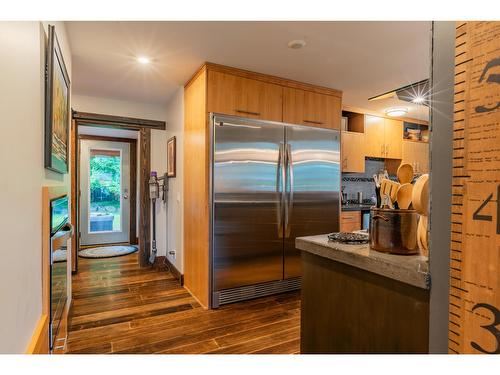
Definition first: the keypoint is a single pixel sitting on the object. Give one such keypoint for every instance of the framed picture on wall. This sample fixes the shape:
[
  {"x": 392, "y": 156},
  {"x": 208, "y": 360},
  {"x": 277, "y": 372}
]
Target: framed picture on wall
[
  {"x": 57, "y": 91},
  {"x": 171, "y": 156}
]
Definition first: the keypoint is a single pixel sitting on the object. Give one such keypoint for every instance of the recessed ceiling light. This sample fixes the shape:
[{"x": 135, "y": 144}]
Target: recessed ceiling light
[
  {"x": 396, "y": 112},
  {"x": 143, "y": 60},
  {"x": 296, "y": 44}
]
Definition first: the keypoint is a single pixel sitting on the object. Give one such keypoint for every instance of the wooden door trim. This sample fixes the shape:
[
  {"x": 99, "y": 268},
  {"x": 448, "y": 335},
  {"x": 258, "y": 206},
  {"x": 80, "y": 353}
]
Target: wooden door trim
[
  {"x": 75, "y": 188},
  {"x": 144, "y": 126}
]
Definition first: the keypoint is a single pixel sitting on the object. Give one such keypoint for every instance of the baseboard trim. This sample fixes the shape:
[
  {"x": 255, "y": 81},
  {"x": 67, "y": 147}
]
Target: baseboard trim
[
  {"x": 162, "y": 262},
  {"x": 39, "y": 343}
]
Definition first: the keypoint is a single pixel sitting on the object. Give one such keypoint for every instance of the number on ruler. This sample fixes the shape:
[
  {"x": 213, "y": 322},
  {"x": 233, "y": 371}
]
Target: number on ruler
[
  {"x": 477, "y": 216},
  {"x": 489, "y": 327}
]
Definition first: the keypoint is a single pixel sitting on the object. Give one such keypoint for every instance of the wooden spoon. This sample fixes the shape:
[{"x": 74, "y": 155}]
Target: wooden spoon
[
  {"x": 422, "y": 239},
  {"x": 405, "y": 173},
  {"x": 404, "y": 196},
  {"x": 420, "y": 195}
]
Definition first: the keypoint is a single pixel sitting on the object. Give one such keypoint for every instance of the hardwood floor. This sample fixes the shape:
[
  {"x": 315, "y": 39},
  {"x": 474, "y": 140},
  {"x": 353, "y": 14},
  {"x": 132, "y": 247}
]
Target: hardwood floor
[{"x": 120, "y": 308}]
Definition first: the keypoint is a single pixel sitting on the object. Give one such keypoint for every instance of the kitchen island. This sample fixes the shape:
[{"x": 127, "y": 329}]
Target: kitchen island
[{"x": 357, "y": 300}]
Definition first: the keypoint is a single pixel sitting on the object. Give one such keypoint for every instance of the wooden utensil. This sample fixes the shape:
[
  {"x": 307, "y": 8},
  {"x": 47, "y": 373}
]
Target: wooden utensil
[
  {"x": 405, "y": 173},
  {"x": 422, "y": 239},
  {"x": 420, "y": 195},
  {"x": 390, "y": 188},
  {"x": 404, "y": 196}
]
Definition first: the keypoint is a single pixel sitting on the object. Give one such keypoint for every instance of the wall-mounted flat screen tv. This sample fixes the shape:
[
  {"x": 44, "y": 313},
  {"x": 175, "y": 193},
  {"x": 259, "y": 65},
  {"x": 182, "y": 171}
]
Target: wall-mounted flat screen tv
[{"x": 59, "y": 211}]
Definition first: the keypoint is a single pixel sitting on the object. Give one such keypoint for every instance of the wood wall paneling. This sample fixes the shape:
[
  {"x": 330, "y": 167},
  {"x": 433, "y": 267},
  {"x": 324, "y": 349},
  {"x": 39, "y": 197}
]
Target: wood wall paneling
[
  {"x": 474, "y": 299},
  {"x": 196, "y": 180}
]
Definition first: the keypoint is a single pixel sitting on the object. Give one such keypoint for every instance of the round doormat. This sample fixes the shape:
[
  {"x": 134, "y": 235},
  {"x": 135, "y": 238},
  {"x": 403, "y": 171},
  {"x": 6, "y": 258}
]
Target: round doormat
[{"x": 107, "y": 251}]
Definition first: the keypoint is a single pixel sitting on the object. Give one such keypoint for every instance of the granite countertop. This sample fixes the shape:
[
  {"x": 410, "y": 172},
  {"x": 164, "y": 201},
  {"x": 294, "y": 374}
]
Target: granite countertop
[
  {"x": 356, "y": 207},
  {"x": 408, "y": 269}
]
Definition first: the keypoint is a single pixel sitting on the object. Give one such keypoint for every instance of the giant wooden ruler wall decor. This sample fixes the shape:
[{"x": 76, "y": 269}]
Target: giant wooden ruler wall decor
[{"x": 474, "y": 318}]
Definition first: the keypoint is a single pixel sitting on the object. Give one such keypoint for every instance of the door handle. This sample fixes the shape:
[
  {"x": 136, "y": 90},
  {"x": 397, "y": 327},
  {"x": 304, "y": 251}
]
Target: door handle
[
  {"x": 280, "y": 178},
  {"x": 247, "y": 112},
  {"x": 313, "y": 122},
  {"x": 125, "y": 196},
  {"x": 289, "y": 206}
]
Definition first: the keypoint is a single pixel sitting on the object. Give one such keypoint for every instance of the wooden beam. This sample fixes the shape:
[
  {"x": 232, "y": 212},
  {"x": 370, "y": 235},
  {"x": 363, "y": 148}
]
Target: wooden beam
[{"x": 101, "y": 120}]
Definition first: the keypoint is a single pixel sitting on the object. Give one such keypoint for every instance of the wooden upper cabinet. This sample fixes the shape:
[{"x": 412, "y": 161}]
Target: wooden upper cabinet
[
  {"x": 393, "y": 138},
  {"x": 383, "y": 137},
  {"x": 233, "y": 95},
  {"x": 416, "y": 154},
  {"x": 374, "y": 136},
  {"x": 353, "y": 152},
  {"x": 312, "y": 109}
]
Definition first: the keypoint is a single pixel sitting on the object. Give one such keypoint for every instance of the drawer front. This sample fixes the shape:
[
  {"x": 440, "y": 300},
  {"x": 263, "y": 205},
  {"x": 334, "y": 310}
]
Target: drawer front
[
  {"x": 234, "y": 95},
  {"x": 350, "y": 221},
  {"x": 311, "y": 109}
]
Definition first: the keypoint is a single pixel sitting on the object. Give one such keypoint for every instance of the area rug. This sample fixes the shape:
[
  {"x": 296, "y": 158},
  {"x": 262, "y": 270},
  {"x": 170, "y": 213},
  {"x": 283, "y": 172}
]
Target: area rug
[{"x": 107, "y": 251}]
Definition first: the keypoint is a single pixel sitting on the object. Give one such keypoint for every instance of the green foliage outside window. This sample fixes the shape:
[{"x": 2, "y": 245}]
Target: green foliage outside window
[{"x": 105, "y": 180}]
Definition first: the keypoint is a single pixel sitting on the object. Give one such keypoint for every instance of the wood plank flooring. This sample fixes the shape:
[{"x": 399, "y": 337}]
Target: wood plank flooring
[{"x": 120, "y": 308}]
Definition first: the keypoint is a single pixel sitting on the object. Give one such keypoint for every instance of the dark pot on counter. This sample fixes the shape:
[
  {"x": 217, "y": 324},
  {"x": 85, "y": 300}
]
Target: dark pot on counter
[{"x": 393, "y": 231}]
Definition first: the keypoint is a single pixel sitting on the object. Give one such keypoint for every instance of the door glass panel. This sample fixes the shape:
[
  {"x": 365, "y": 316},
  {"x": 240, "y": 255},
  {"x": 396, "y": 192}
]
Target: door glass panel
[{"x": 105, "y": 191}]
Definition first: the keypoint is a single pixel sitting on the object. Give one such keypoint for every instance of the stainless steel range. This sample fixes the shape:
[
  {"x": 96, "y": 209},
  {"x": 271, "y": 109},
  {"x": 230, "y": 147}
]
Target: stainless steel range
[{"x": 271, "y": 182}]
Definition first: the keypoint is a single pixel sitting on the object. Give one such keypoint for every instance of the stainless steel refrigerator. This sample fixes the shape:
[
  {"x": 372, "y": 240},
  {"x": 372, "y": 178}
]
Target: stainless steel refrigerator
[{"x": 270, "y": 183}]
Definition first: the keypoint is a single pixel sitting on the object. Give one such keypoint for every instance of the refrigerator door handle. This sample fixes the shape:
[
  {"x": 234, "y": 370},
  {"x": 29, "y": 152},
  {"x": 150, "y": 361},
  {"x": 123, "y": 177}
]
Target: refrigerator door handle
[
  {"x": 289, "y": 206},
  {"x": 280, "y": 181}
]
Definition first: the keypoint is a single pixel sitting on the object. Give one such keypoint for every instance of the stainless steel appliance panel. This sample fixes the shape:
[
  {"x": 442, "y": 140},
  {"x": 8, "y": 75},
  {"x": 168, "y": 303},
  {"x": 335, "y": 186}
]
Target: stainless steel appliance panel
[
  {"x": 247, "y": 243},
  {"x": 312, "y": 188}
]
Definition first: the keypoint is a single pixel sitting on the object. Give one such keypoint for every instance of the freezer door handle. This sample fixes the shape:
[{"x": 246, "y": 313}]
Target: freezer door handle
[
  {"x": 289, "y": 205},
  {"x": 280, "y": 181}
]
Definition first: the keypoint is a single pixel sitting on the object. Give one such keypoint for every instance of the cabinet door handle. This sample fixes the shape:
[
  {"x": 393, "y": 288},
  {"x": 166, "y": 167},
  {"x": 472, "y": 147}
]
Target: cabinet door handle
[
  {"x": 248, "y": 112},
  {"x": 386, "y": 150},
  {"x": 382, "y": 150},
  {"x": 313, "y": 122}
]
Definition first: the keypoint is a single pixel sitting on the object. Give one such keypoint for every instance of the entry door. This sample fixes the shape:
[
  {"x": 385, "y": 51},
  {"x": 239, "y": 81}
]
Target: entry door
[{"x": 104, "y": 185}]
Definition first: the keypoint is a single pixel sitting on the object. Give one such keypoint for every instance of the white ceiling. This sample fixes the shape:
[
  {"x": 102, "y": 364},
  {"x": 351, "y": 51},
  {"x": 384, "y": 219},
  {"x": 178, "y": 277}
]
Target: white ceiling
[{"x": 363, "y": 59}]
